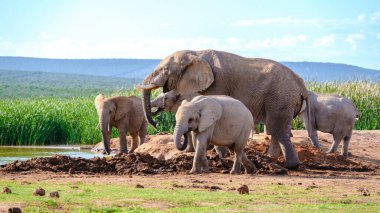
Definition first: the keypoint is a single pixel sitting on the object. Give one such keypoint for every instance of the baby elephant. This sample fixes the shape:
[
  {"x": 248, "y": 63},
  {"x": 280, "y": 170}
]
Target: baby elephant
[
  {"x": 331, "y": 114},
  {"x": 219, "y": 120},
  {"x": 124, "y": 113}
]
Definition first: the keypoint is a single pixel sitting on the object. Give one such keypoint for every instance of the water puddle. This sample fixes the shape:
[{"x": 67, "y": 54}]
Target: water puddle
[{"x": 13, "y": 153}]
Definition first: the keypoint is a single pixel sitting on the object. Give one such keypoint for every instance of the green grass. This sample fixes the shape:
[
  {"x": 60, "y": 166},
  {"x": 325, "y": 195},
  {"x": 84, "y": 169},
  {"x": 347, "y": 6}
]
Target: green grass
[
  {"x": 121, "y": 197},
  {"x": 55, "y": 120},
  {"x": 73, "y": 120}
]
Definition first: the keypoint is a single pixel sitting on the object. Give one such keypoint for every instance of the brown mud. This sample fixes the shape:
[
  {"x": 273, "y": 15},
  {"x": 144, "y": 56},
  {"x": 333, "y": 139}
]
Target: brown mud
[{"x": 313, "y": 162}]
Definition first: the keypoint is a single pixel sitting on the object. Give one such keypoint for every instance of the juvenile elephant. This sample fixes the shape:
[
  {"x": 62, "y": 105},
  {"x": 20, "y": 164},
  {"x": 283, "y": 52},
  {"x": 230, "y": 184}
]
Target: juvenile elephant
[
  {"x": 219, "y": 120},
  {"x": 170, "y": 101},
  {"x": 272, "y": 92},
  {"x": 331, "y": 114},
  {"x": 124, "y": 113}
]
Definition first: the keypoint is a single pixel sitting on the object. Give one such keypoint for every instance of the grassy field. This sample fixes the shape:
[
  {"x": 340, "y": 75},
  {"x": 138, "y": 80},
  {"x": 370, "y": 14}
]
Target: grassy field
[
  {"x": 72, "y": 120},
  {"x": 82, "y": 196}
]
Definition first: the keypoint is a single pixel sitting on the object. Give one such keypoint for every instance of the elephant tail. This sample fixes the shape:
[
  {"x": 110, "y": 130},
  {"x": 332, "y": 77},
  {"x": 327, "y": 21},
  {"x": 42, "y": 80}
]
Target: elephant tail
[{"x": 308, "y": 111}]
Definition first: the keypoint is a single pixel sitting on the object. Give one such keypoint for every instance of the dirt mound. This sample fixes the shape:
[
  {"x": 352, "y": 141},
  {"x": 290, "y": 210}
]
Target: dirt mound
[
  {"x": 159, "y": 155},
  {"x": 136, "y": 163},
  {"x": 313, "y": 158}
]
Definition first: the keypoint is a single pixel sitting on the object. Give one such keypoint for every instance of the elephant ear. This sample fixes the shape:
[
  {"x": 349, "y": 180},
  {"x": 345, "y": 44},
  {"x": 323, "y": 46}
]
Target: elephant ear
[
  {"x": 98, "y": 100},
  {"x": 210, "y": 112},
  {"x": 196, "y": 76},
  {"x": 123, "y": 106}
]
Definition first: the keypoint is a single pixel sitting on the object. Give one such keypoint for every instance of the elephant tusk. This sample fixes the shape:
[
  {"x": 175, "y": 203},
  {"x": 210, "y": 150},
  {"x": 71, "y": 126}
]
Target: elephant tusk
[{"x": 149, "y": 86}]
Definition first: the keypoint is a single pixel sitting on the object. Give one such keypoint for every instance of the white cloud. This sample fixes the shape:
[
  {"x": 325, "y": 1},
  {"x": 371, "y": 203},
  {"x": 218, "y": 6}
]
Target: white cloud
[
  {"x": 375, "y": 16},
  {"x": 353, "y": 38},
  {"x": 361, "y": 17},
  {"x": 324, "y": 41},
  {"x": 143, "y": 47}
]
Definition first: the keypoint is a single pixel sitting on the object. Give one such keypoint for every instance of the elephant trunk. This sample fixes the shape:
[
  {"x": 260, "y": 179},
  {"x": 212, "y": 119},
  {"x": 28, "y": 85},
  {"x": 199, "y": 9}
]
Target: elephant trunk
[
  {"x": 147, "y": 107},
  {"x": 106, "y": 129},
  {"x": 178, "y": 132}
]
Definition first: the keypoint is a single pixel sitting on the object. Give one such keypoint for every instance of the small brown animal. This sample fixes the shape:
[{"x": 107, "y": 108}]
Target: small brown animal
[{"x": 124, "y": 113}]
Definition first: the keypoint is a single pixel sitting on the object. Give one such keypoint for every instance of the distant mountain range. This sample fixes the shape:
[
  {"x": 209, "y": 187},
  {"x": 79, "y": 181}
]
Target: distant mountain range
[{"x": 139, "y": 68}]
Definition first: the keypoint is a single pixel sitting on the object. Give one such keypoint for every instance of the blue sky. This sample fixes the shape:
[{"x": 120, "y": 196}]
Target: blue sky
[{"x": 314, "y": 30}]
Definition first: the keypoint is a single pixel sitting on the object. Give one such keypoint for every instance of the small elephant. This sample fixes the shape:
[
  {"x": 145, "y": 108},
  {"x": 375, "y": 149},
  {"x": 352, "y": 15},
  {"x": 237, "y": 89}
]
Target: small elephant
[
  {"x": 331, "y": 114},
  {"x": 170, "y": 101},
  {"x": 219, "y": 120},
  {"x": 124, "y": 113}
]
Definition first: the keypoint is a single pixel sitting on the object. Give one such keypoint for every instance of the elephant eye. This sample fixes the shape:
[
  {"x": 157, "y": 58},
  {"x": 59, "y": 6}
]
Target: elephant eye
[{"x": 191, "y": 120}]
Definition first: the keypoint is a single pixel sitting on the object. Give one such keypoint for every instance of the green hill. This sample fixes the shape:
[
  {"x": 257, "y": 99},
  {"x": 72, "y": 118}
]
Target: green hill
[{"x": 27, "y": 84}]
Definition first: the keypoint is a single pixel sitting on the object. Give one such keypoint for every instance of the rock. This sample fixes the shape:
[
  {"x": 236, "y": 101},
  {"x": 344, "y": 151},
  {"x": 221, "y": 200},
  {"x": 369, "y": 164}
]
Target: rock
[
  {"x": 243, "y": 189},
  {"x": 39, "y": 192},
  {"x": 7, "y": 190},
  {"x": 54, "y": 194},
  {"x": 214, "y": 188},
  {"x": 139, "y": 186},
  {"x": 366, "y": 193},
  {"x": 14, "y": 210}
]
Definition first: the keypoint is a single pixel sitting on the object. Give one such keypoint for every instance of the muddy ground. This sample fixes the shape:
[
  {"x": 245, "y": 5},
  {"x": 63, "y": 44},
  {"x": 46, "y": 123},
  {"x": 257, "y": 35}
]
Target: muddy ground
[{"x": 159, "y": 156}]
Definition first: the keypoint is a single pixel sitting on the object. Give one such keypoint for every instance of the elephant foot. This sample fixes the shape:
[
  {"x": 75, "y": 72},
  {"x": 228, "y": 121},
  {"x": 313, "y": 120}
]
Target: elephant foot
[
  {"x": 235, "y": 172},
  {"x": 346, "y": 154},
  {"x": 250, "y": 169},
  {"x": 205, "y": 170},
  {"x": 292, "y": 165},
  {"x": 274, "y": 152},
  {"x": 195, "y": 171},
  {"x": 330, "y": 151},
  {"x": 125, "y": 151}
]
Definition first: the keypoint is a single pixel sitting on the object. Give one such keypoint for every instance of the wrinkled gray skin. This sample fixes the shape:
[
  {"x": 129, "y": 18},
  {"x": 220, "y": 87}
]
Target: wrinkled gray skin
[
  {"x": 124, "y": 113},
  {"x": 219, "y": 120},
  {"x": 271, "y": 91},
  {"x": 170, "y": 101},
  {"x": 331, "y": 114}
]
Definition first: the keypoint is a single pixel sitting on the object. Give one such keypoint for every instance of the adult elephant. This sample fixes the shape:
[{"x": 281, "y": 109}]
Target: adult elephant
[{"x": 272, "y": 92}]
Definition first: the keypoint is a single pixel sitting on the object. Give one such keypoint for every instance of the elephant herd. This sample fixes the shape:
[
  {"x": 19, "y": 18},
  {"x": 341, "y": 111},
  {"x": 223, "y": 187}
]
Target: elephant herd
[{"x": 218, "y": 97}]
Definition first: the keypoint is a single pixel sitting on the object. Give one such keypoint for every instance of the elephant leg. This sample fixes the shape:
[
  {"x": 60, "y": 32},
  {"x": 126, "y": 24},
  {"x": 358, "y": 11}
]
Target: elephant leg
[
  {"x": 135, "y": 141},
  {"x": 200, "y": 152},
  {"x": 221, "y": 151},
  {"x": 279, "y": 125},
  {"x": 191, "y": 143},
  {"x": 334, "y": 146},
  {"x": 236, "y": 168},
  {"x": 313, "y": 137},
  {"x": 142, "y": 132},
  {"x": 274, "y": 149},
  {"x": 204, "y": 164},
  {"x": 249, "y": 167},
  {"x": 346, "y": 142},
  {"x": 123, "y": 141}
]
